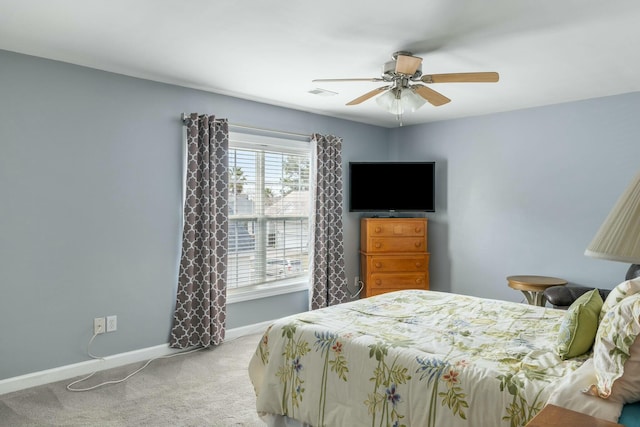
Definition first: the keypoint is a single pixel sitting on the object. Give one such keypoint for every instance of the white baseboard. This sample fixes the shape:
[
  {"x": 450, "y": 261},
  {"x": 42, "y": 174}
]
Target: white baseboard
[
  {"x": 256, "y": 328},
  {"x": 85, "y": 368}
]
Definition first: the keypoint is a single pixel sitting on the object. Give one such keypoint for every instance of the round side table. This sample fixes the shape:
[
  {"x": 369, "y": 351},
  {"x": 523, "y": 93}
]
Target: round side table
[{"x": 533, "y": 287}]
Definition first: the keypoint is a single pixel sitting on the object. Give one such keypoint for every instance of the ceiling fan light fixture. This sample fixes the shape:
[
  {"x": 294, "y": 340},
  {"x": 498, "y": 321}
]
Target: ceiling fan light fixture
[
  {"x": 399, "y": 100},
  {"x": 388, "y": 102},
  {"x": 412, "y": 100}
]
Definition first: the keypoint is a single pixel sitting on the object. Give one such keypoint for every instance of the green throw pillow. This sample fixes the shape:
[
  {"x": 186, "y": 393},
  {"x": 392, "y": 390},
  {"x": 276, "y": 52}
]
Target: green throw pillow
[{"x": 580, "y": 325}]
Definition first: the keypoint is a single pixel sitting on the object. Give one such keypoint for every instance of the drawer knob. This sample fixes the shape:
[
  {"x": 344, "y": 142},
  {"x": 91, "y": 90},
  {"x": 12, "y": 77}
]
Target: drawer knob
[
  {"x": 418, "y": 264},
  {"x": 418, "y": 229},
  {"x": 378, "y": 265},
  {"x": 378, "y": 229},
  {"x": 418, "y": 244},
  {"x": 378, "y": 245},
  {"x": 378, "y": 282},
  {"x": 419, "y": 280}
]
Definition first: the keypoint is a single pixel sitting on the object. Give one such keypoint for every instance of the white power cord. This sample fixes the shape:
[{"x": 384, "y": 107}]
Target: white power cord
[
  {"x": 356, "y": 293},
  {"x": 69, "y": 387}
]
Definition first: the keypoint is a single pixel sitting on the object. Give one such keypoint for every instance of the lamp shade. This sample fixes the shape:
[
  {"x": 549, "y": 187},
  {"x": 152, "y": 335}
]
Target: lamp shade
[{"x": 618, "y": 238}]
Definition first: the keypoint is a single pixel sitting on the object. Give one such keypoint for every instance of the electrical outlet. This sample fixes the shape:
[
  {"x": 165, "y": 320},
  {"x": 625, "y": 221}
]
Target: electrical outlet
[
  {"x": 98, "y": 325},
  {"x": 112, "y": 323},
  {"x": 356, "y": 281}
]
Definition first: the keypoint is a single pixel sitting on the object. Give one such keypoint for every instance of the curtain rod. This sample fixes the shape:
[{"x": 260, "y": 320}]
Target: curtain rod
[{"x": 240, "y": 126}]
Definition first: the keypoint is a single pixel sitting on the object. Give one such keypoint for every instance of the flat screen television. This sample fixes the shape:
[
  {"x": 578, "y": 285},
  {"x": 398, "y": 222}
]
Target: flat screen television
[{"x": 392, "y": 186}]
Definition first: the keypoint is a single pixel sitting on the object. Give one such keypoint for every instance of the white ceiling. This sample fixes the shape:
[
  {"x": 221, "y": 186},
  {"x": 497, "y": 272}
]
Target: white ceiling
[{"x": 546, "y": 51}]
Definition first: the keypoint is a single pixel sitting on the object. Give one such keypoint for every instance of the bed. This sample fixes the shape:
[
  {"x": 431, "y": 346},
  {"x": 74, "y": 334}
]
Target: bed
[{"x": 418, "y": 358}]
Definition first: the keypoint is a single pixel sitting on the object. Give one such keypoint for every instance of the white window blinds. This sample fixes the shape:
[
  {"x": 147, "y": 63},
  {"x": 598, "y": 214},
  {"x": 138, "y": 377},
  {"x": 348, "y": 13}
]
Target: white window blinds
[{"x": 269, "y": 208}]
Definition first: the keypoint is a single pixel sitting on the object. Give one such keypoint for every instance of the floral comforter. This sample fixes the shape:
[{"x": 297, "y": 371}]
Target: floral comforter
[{"x": 411, "y": 358}]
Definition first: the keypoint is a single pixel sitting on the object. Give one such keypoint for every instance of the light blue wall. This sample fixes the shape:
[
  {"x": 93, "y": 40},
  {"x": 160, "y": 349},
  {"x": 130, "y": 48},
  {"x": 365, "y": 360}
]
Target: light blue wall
[
  {"x": 524, "y": 192},
  {"x": 90, "y": 207}
]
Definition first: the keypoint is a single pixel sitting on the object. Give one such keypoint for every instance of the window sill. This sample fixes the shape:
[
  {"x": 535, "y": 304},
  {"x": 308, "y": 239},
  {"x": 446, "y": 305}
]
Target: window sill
[{"x": 264, "y": 291}]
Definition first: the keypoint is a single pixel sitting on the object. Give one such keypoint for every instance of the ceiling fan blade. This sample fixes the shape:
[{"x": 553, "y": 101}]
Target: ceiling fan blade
[
  {"x": 372, "y": 79},
  {"x": 485, "y": 77},
  {"x": 407, "y": 65},
  {"x": 368, "y": 95},
  {"x": 434, "y": 98}
]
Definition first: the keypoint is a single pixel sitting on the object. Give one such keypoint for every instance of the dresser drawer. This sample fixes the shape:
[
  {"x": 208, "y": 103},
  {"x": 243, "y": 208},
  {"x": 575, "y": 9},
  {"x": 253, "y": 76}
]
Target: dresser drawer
[
  {"x": 399, "y": 281},
  {"x": 394, "y": 227},
  {"x": 396, "y": 244},
  {"x": 393, "y": 263}
]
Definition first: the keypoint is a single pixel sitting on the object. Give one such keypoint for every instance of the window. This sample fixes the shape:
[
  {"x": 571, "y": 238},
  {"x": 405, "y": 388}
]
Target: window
[{"x": 269, "y": 208}]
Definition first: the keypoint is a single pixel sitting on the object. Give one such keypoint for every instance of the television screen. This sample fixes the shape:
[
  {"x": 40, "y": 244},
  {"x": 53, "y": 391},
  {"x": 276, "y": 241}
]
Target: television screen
[{"x": 391, "y": 186}]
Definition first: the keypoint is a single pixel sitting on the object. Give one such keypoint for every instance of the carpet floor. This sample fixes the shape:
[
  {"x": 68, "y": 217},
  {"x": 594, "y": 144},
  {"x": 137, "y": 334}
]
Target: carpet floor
[{"x": 207, "y": 388}]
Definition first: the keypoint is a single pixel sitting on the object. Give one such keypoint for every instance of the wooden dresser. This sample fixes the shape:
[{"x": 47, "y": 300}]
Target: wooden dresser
[{"x": 393, "y": 255}]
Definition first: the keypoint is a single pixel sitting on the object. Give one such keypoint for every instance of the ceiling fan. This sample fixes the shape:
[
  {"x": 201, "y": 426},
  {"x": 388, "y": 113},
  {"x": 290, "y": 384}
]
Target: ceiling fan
[{"x": 406, "y": 90}]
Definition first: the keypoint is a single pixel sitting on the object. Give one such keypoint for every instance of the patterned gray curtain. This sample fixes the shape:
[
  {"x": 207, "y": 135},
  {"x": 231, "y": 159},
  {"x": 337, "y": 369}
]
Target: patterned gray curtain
[
  {"x": 328, "y": 278},
  {"x": 199, "y": 317}
]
